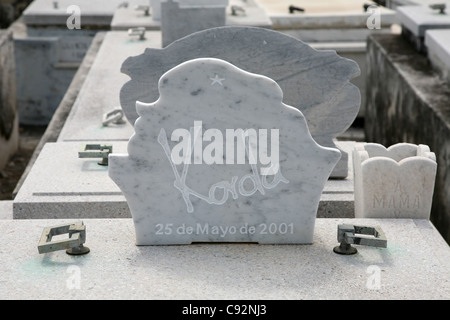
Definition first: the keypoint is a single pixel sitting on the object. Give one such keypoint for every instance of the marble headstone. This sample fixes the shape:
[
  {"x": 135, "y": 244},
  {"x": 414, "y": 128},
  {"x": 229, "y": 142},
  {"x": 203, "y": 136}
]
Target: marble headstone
[
  {"x": 315, "y": 82},
  {"x": 199, "y": 169},
  {"x": 397, "y": 182}
]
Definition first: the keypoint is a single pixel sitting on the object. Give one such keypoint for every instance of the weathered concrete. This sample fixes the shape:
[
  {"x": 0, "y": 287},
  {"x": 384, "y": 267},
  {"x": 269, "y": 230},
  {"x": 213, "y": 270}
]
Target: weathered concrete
[
  {"x": 407, "y": 101},
  {"x": 9, "y": 129}
]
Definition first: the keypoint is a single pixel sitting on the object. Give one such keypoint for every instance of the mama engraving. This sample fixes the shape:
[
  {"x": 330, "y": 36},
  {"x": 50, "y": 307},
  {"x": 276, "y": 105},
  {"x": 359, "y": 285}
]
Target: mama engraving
[{"x": 233, "y": 187}]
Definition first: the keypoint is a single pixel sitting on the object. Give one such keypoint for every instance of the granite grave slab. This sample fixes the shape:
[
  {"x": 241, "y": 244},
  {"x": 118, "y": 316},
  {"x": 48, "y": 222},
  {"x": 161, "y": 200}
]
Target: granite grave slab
[
  {"x": 105, "y": 73},
  {"x": 315, "y": 82},
  {"x": 56, "y": 13},
  {"x": 437, "y": 43},
  {"x": 231, "y": 182},
  {"x": 415, "y": 266},
  {"x": 417, "y": 19}
]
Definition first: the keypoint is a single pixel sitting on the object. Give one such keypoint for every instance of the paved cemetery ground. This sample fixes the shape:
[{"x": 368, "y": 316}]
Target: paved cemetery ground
[{"x": 10, "y": 175}]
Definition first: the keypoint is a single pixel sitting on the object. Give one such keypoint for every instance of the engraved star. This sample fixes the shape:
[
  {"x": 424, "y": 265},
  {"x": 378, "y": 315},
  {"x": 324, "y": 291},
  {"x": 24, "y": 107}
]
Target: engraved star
[{"x": 216, "y": 79}]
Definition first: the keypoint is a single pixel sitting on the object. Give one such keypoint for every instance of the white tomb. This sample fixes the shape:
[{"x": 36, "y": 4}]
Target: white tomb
[{"x": 228, "y": 190}]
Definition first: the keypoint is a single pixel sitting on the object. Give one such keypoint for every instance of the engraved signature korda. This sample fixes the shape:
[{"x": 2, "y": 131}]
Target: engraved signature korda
[{"x": 233, "y": 187}]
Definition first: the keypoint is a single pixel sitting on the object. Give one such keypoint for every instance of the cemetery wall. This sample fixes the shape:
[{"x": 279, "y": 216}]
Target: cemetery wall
[
  {"x": 407, "y": 101},
  {"x": 8, "y": 111}
]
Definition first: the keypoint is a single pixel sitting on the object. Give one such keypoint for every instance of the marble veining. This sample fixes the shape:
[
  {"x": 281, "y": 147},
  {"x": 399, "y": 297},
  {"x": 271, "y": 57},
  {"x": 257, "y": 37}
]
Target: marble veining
[
  {"x": 184, "y": 183},
  {"x": 394, "y": 182}
]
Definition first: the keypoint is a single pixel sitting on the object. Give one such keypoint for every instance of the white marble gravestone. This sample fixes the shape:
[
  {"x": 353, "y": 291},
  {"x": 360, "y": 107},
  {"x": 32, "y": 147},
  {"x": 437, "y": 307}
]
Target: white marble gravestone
[
  {"x": 315, "y": 82},
  {"x": 397, "y": 182},
  {"x": 187, "y": 179}
]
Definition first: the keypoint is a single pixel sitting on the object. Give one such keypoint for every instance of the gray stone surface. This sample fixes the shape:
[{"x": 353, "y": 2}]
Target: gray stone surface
[
  {"x": 178, "y": 21},
  {"x": 417, "y": 19},
  {"x": 79, "y": 188},
  {"x": 156, "y": 5},
  {"x": 6, "y": 210},
  {"x": 316, "y": 82},
  {"x": 93, "y": 13},
  {"x": 438, "y": 51},
  {"x": 128, "y": 17},
  {"x": 408, "y": 102},
  {"x": 353, "y": 50},
  {"x": 9, "y": 117},
  {"x": 105, "y": 72},
  {"x": 415, "y": 265},
  {"x": 253, "y": 15},
  {"x": 41, "y": 79}
]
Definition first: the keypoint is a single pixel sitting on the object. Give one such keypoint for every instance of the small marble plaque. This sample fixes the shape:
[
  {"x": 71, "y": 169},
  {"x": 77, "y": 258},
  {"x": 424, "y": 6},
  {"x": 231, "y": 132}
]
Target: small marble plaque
[
  {"x": 316, "y": 82},
  {"x": 397, "y": 182},
  {"x": 219, "y": 158}
]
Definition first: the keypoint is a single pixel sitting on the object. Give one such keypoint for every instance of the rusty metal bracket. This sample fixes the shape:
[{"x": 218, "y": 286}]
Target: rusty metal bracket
[
  {"x": 96, "y": 151},
  {"x": 114, "y": 116},
  {"x": 138, "y": 31},
  {"x": 73, "y": 245},
  {"x": 350, "y": 234}
]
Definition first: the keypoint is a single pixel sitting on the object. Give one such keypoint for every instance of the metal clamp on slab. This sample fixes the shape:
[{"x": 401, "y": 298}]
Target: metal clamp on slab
[
  {"x": 368, "y": 236},
  {"x": 236, "y": 9},
  {"x": 139, "y": 31},
  {"x": 115, "y": 117},
  {"x": 73, "y": 245},
  {"x": 439, "y": 6},
  {"x": 143, "y": 7},
  {"x": 96, "y": 151}
]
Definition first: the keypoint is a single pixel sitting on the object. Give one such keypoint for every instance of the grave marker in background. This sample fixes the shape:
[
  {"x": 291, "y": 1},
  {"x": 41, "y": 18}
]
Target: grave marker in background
[{"x": 315, "y": 82}]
